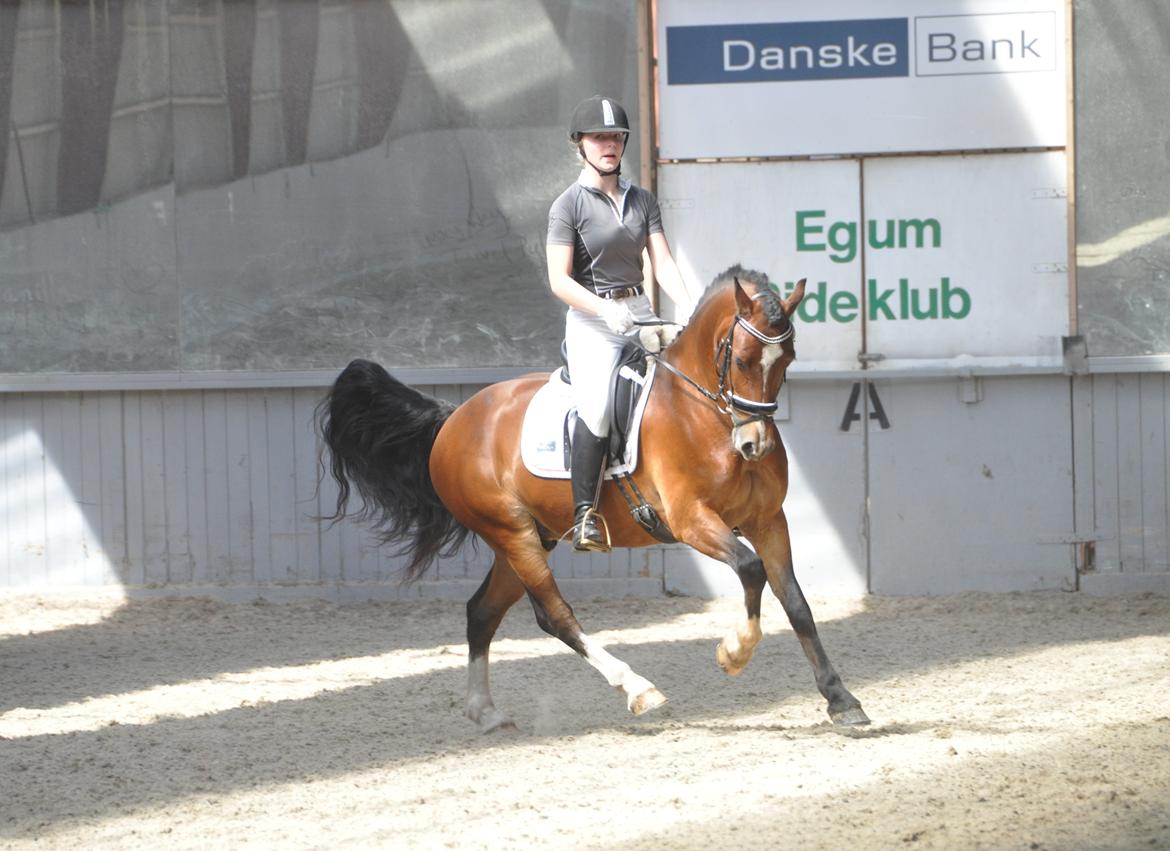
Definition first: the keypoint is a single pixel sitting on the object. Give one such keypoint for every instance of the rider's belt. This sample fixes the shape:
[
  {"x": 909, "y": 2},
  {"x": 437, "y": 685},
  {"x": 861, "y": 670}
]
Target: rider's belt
[{"x": 624, "y": 292}]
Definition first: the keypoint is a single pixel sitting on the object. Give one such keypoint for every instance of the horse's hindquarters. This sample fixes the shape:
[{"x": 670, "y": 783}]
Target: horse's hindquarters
[{"x": 475, "y": 463}]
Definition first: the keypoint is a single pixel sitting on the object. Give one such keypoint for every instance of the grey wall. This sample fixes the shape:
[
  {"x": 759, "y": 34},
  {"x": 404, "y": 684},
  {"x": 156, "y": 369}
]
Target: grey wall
[
  {"x": 259, "y": 185},
  {"x": 971, "y": 486},
  {"x": 1123, "y": 175},
  {"x": 231, "y": 211}
]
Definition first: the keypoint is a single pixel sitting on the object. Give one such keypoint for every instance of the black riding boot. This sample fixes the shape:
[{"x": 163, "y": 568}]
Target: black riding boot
[{"x": 588, "y": 463}]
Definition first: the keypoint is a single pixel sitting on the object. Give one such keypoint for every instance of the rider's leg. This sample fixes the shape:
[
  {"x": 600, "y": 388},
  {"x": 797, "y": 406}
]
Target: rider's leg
[
  {"x": 588, "y": 466},
  {"x": 593, "y": 352}
]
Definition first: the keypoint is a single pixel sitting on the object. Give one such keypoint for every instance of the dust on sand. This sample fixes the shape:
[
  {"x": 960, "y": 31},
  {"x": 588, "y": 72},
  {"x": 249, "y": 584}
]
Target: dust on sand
[{"x": 1000, "y": 721}]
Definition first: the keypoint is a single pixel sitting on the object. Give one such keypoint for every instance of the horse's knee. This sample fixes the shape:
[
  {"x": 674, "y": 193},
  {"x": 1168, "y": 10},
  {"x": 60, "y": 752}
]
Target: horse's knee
[
  {"x": 751, "y": 572},
  {"x": 753, "y": 578}
]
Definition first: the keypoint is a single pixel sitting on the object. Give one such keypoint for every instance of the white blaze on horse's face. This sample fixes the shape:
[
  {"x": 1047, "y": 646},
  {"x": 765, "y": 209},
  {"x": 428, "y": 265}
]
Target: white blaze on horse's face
[
  {"x": 772, "y": 353},
  {"x": 755, "y": 440},
  {"x": 753, "y": 434}
]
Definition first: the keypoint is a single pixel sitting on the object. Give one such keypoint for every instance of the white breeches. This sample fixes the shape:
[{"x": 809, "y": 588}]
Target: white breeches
[{"x": 593, "y": 352}]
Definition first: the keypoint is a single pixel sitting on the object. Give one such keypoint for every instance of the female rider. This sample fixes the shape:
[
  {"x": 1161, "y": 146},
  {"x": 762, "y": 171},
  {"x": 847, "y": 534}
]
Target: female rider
[{"x": 598, "y": 231}]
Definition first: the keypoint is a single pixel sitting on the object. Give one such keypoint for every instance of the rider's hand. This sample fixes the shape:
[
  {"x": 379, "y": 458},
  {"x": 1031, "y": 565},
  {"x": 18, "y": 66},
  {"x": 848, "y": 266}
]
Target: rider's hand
[
  {"x": 655, "y": 338},
  {"x": 617, "y": 316}
]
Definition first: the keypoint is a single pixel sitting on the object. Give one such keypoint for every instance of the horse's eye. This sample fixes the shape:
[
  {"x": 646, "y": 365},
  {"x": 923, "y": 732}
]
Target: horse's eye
[{"x": 741, "y": 363}]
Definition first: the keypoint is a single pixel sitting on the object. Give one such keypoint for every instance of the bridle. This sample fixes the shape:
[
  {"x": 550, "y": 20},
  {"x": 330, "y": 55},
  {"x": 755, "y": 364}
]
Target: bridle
[
  {"x": 755, "y": 411},
  {"x": 725, "y": 398}
]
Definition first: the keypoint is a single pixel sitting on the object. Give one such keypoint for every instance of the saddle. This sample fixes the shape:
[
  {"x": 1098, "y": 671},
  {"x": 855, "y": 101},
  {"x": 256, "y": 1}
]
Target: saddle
[
  {"x": 546, "y": 435},
  {"x": 626, "y": 386}
]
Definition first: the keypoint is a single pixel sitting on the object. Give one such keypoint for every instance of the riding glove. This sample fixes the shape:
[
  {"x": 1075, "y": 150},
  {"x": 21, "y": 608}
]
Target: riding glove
[
  {"x": 617, "y": 316},
  {"x": 655, "y": 338}
]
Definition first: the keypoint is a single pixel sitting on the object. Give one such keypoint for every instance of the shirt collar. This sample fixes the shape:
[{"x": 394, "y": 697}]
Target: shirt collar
[{"x": 623, "y": 184}]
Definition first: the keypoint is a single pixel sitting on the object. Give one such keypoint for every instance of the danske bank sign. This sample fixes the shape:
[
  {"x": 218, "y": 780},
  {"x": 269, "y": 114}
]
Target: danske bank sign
[
  {"x": 1018, "y": 42},
  {"x": 803, "y": 50}
]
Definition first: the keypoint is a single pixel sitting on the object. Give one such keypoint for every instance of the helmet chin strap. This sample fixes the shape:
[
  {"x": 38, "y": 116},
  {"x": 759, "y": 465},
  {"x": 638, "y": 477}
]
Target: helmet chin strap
[{"x": 617, "y": 170}]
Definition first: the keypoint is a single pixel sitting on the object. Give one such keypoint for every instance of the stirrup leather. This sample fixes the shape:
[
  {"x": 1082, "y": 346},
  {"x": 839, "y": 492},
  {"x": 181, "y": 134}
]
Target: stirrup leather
[{"x": 591, "y": 520}]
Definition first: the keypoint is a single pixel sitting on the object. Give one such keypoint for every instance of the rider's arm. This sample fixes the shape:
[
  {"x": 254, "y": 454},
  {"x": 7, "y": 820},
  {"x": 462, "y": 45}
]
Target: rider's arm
[{"x": 560, "y": 265}]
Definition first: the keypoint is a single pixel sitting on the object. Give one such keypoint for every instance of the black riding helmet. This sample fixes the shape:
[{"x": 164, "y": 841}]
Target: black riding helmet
[{"x": 598, "y": 115}]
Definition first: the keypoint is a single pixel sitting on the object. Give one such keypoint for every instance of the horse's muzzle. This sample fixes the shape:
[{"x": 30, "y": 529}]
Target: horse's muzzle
[{"x": 752, "y": 440}]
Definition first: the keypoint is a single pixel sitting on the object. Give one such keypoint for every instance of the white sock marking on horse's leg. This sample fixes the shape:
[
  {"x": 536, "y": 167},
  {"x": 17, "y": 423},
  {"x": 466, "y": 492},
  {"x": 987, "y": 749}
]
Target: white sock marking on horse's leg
[
  {"x": 480, "y": 708},
  {"x": 616, "y": 672},
  {"x": 739, "y": 644}
]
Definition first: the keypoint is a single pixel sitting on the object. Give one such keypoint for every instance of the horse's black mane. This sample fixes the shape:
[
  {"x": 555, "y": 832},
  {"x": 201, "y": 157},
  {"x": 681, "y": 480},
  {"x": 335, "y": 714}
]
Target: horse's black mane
[{"x": 757, "y": 284}]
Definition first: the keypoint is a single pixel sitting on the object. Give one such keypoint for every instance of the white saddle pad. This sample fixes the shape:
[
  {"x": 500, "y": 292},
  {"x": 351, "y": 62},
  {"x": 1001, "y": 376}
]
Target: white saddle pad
[{"x": 542, "y": 437}]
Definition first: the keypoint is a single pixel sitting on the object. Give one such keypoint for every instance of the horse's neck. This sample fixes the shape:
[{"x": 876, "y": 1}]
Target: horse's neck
[{"x": 693, "y": 352}]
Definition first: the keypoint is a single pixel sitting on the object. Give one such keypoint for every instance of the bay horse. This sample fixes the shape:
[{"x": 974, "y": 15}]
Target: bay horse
[{"x": 711, "y": 464}]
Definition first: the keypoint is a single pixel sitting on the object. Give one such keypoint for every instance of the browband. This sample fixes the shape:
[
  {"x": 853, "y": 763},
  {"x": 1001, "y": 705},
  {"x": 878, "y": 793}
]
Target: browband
[{"x": 786, "y": 334}]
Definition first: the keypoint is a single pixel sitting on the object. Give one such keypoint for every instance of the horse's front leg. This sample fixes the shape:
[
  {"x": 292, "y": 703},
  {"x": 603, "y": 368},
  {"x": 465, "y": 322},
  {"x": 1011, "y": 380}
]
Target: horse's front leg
[
  {"x": 738, "y": 645},
  {"x": 775, "y": 548},
  {"x": 704, "y": 530}
]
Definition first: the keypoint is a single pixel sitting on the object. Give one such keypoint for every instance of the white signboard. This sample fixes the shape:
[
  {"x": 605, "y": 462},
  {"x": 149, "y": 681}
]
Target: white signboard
[
  {"x": 719, "y": 214},
  {"x": 966, "y": 260},
  {"x": 954, "y": 262},
  {"x": 767, "y": 78}
]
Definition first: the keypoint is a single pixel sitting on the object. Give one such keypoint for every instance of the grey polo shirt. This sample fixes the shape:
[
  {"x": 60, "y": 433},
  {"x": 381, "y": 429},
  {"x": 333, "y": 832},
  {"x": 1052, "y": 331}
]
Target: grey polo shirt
[{"x": 607, "y": 239}]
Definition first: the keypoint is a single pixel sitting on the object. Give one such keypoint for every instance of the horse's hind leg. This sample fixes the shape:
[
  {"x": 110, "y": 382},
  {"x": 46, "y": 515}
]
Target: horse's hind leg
[
  {"x": 555, "y": 616},
  {"x": 736, "y": 648},
  {"x": 487, "y": 607}
]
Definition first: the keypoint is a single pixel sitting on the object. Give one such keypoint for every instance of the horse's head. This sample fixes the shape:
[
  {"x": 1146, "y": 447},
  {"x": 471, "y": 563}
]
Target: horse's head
[{"x": 752, "y": 338}]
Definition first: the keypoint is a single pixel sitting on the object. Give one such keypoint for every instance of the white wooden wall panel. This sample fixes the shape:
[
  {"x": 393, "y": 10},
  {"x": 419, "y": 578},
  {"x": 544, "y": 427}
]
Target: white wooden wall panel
[
  {"x": 250, "y": 522},
  {"x": 110, "y": 548},
  {"x": 198, "y": 490},
  {"x": 1155, "y": 515},
  {"x": 178, "y": 531},
  {"x": 62, "y": 548},
  {"x": 156, "y": 529},
  {"x": 1127, "y": 444},
  {"x": 201, "y": 489}
]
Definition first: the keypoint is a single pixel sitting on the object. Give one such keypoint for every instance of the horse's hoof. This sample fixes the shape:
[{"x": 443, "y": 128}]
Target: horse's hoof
[
  {"x": 651, "y": 698},
  {"x": 854, "y": 717},
  {"x": 724, "y": 659},
  {"x": 491, "y": 719}
]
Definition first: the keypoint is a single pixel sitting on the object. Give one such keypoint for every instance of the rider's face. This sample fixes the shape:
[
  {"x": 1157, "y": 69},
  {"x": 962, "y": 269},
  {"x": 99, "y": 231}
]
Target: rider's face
[{"x": 604, "y": 150}]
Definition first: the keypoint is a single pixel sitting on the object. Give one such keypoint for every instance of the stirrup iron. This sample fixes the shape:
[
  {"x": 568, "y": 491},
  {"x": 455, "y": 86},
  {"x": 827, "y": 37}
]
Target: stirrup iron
[{"x": 591, "y": 517}]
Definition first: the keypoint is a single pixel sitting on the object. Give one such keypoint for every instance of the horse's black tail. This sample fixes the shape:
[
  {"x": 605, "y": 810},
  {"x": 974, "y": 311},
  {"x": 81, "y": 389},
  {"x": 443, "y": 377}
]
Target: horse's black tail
[{"x": 379, "y": 434}]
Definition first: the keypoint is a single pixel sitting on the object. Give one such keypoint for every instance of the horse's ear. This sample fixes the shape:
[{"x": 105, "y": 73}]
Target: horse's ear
[
  {"x": 743, "y": 301},
  {"x": 793, "y": 300}
]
